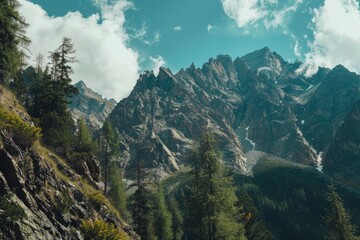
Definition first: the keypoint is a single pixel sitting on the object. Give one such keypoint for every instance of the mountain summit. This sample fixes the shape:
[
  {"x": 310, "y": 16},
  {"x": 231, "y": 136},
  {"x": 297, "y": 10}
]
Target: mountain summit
[
  {"x": 90, "y": 106},
  {"x": 255, "y": 103}
]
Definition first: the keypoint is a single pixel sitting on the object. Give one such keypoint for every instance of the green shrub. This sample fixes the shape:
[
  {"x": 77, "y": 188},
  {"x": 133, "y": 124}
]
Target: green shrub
[
  {"x": 22, "y": 132},
  {"x": 97, "y": 199},
  {"x": 9, "y": 211},
  {"x": 66, "y": 201},
  {"x": 100, "y": 230}
]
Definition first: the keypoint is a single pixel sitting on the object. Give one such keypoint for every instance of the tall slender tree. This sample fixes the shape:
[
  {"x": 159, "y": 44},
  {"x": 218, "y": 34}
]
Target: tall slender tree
[
  {"x": 84, "y": 142},
  {"x": 13, "y": 40},
  {"x": 163, "y": 221},
  {"x": 110, "y": 147},
  {"x": 212, "y": 198},
  {"x": 117, "y": 192},
  {"x": 176, "y": 218}
]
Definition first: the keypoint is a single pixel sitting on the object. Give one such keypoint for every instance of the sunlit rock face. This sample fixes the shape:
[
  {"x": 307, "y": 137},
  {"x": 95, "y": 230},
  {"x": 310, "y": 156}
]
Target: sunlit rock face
[
  {"x": 90, "y": 106},
  {"x": 258, "y": 102}
]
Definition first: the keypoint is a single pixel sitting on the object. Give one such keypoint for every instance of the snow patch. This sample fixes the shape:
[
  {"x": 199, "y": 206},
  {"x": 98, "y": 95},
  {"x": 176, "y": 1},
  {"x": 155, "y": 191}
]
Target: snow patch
[
  {"x": 319, "y": 162},
  {"x": 263, "y": 69},
  {"x": 309, "y": 87},
  {"x": 302, "y": 122},
  {"x": 247, "y": 137}
]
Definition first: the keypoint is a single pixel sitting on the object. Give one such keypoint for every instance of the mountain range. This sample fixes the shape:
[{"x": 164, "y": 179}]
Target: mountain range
[{"x": 254, "y": 105}]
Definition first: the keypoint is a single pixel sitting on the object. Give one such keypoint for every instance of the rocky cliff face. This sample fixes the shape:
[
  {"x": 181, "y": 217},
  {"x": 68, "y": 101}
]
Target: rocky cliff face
[
  {"x": 257, "y": 102},
  {"x": 342, "y": 158},
  {"x": 53, "y": 197},
  {"x": 330, "y": 102},
  {"x": 90, "y": 106}
]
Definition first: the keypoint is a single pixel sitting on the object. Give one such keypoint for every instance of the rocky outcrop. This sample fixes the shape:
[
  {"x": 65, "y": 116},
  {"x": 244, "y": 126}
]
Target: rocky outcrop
[
  {"x": 328, "y": 105},
  {"x": 342, "y": 158},
  {"x": 90, "y": 106},
  {"x": 164, "y": 114},
  {"x": 52, "y": 198}
]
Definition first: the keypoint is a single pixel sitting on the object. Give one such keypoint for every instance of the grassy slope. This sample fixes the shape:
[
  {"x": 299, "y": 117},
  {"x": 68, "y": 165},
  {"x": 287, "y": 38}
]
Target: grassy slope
[{"x": 59, "y": 165}]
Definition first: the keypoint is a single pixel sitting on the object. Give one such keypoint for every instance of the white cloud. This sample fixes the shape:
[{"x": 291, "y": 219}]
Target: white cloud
[
  {"x": 336, "y": 36},
  {"x": 157, "y": 62},
  {"x": 276, "y": 17},
  {"x": 210, "y": 28},
  {"x": 297, "y": 48},
  {"x": 106, "y": 63},
  {"x": 249, "y": 12},
  {"x": 177, "y": 28},
  {"x": 140, "y": 33},
  {"x": 157, "y": 37},
  {"x": 244, "y": 12}
]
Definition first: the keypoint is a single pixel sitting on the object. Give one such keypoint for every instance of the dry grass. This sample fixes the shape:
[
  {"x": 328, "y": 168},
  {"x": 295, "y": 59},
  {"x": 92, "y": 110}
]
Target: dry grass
[
  {"x": 95, "y": 196},
  {"x": 9, "y": 101}
]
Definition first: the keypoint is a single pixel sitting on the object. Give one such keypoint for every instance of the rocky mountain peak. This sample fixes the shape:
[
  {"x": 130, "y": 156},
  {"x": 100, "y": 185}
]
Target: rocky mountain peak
[
  {"x": 80, "y": 85},
  {"x": 264, "y": 60},
  {"x": 255, "y": 103},
  {"x": 90, "y": 106}
]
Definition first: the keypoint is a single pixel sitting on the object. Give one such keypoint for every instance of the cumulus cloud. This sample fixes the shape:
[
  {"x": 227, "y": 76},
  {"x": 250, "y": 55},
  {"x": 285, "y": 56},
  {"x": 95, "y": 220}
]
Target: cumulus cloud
[
  {"x": 157, "y": 62},
  {"x": 106, "y": 63},
  {"x": 177, "y": 28},
  {"x": 336, "y": 36},
  {"x": 250, "y": 12}
]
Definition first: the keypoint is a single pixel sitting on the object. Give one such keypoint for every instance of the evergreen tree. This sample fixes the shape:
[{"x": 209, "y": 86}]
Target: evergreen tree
[
  {"x": 12, "y": 40},
  {"x": 117, "y": 192},
  {"x": 255, "y": 226},
  {"x": 110, "y": 147},
  {"x": 84, "y": 140},
  {"x": 60, "y": 75},
  {"x": 142, "y": 213},
  {"x": 51, "y": 92},
  {"x": 163, "y": 224},
  {"x": 142, "y": 204},
  {"x": 212, "y": 200},
  {"x": 337, "y": 219},
  {"x": 176, "y": 219}
]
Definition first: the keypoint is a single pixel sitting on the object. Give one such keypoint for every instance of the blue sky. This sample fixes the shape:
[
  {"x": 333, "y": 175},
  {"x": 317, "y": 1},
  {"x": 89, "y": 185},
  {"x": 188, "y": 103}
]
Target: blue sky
[{"x": 176, "y": 33}]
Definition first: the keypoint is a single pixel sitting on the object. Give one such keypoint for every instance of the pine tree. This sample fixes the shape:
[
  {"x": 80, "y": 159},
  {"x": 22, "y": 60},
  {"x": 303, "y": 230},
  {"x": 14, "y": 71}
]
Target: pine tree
[
  {"x": 337, "y": 219},
  {"x": 61, "y": 70},
  {"x": 176, "y": 218},
  {"x": 163, "y": 223},
  {"x": 110, "y": 147},
  {"x": 51, "y": 94},
  {"x": 117, "y": 192},
  {"x": 255, "y": 226},
  {"x": 12, "y": 40},
  {"x": 213, "y": 199},
  {"x": 84, "y": 140}
]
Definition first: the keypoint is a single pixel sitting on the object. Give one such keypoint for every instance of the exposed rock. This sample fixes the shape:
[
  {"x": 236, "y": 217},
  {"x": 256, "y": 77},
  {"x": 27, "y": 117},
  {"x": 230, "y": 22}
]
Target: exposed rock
[
  {"x": 342, "y": 158},
  {"x": 327, "y": 107},
  {"x": 163, "y": 115},
  {"x": 88, "y": 167},
  {"x": 90, "y": 106},
  {"x": 54, "y": 199}
]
